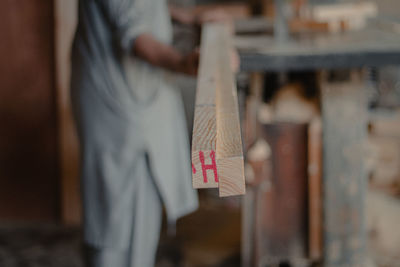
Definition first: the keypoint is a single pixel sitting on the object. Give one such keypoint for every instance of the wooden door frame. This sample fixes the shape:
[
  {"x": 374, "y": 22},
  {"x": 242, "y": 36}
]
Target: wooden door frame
[{"x": 66, "y": 17}]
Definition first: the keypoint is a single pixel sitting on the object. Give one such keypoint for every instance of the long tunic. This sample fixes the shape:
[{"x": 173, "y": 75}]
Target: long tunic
[{"x": 125, "y": 110}]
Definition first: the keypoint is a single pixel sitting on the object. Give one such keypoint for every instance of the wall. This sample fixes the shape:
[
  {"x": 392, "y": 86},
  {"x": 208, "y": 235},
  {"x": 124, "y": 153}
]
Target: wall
[{"x": 28, "y": 132}]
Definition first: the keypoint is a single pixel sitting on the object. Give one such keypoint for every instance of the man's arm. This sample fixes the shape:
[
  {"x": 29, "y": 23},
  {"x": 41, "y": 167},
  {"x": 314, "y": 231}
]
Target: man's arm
[{"x": 165, "y": 56}]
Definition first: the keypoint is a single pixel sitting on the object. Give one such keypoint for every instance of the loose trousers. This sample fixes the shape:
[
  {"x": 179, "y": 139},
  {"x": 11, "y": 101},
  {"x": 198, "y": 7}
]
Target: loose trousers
[{"x": 145, "y": 229}]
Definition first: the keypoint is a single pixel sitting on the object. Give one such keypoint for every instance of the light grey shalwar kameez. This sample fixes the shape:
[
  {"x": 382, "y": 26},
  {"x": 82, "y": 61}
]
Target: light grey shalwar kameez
[{"x": 132, "y": 131}]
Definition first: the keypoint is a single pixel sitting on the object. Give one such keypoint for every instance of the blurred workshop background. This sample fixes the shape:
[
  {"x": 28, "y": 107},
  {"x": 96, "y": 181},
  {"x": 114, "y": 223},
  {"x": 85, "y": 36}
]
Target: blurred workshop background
[{"x": 319, "y": 92}]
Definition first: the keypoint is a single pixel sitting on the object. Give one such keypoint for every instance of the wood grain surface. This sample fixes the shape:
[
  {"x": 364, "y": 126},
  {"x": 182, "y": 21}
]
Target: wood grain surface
[
  {"x": 217, "y": 156},
  {"x": 229, "y": 141},
  {"x": 205, "y": 125}
]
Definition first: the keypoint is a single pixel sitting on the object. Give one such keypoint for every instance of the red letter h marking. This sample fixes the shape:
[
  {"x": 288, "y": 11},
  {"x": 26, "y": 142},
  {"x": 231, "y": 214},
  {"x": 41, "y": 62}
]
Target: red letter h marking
[{"x": 205, "y": 167}]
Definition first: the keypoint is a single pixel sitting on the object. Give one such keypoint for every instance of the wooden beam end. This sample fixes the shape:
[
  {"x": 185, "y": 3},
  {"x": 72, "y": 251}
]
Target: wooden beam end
[{"x": 231, "y": 177}]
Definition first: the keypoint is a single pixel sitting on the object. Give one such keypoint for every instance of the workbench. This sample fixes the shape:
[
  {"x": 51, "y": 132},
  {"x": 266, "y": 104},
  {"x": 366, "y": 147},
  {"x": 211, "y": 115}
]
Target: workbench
[
  {"x": 344, "y": 117},
  {"x": 370, "y": 47}
]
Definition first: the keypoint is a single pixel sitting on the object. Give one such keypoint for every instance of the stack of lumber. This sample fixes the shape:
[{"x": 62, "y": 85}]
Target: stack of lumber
[
  {"x": 344, "y": 16},
  {"x": 217, "y": 155}
]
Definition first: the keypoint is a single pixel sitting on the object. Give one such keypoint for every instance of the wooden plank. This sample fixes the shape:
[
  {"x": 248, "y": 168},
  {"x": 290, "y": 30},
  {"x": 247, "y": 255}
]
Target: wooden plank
[
  {"x": 233, "y": 10},
  {"x": 217, "y": 156},
  {"x": 229, "y": 140},
  {"x": 205, "y": 124},
  {"x": 327, "y": 12},
  {"x": 344, "y": 176},
  {"x": 354, "y": 15}
]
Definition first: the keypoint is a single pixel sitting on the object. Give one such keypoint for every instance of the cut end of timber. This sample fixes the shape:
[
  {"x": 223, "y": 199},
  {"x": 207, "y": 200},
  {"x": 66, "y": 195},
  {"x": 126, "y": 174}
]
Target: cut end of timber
[
  {"x": 231, "y": 177},
  {"x": 204, "y": 169}
]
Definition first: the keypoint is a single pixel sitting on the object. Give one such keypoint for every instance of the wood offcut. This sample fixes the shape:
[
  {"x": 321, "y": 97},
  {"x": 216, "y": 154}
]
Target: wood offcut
[{"x": 217, "y": 156}]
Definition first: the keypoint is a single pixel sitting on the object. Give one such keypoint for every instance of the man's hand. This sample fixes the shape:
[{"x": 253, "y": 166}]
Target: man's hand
[
  {"x": 190, "y": 63},
  {"x": 198, "y": 15},
  {"x": 212, "y": 15},
  {"x": 165, "y": 56}
]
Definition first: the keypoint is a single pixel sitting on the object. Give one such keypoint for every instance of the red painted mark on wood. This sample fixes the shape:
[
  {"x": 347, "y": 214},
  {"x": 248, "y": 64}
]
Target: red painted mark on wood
[
  {"x": 193, "y": 169},
  {"x": 205, "y": 167}
]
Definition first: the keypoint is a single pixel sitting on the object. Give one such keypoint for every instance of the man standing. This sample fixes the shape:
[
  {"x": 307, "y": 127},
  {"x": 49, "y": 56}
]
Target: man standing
[{"x": 130, "y": 120}]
